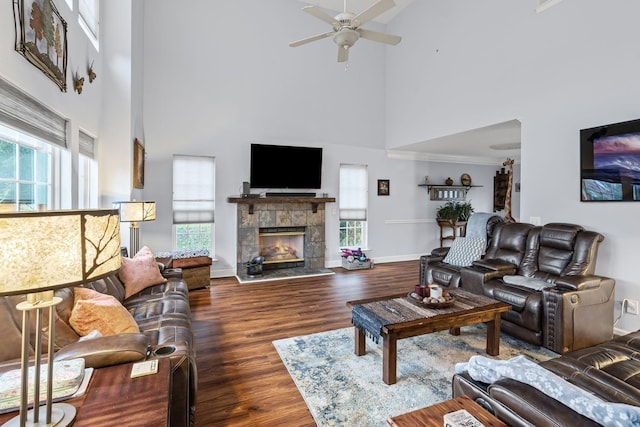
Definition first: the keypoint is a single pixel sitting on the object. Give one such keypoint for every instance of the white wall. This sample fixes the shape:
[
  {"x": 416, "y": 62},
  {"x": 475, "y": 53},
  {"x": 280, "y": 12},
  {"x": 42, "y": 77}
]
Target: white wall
[
  {"x": 464, "y": 64},
  {"x": 229, "y": 78}
]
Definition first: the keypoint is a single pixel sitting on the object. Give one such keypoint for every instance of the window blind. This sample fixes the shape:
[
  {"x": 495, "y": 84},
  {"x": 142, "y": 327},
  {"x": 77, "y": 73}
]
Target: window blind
[
  {"x": 193, "y": 189},
  {"x": 353, "y": 192},
  {"x": 86, "y": 145},
  {"x": 26, "y": 114}
]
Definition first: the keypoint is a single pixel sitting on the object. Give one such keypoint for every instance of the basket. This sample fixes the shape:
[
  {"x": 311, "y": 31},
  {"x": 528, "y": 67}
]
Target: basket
[{"x": 356, "y": 264}]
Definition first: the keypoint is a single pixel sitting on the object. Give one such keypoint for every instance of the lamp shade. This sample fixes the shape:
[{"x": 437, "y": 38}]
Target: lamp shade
[
  {"x": 53, "y": 249},
  {"x": 137, "y": 211}
]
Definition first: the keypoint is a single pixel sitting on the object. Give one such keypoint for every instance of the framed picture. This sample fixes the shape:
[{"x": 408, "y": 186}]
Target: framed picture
[
  {"x": 138, "y": 164},
  {"x": 41, "y": 37},
  {"x": 383, "y": 187}
]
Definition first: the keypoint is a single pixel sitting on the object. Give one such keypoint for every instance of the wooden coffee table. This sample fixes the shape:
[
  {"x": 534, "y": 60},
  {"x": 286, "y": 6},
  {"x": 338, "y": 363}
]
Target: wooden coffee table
[{"x": 468, "y": 309}]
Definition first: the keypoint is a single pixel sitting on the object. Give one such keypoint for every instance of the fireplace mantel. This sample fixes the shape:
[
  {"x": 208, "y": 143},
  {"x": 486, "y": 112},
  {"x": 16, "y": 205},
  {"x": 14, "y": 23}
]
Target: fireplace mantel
[{"x": 251, "y": 201}]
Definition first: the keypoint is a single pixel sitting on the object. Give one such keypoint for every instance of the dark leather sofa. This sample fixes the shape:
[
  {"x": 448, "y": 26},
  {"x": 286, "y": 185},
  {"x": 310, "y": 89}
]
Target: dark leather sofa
[
  {"x": 163, "y": 316},
  {"x": 556, "y": 294},
  {"x": 610, "y": 371}
]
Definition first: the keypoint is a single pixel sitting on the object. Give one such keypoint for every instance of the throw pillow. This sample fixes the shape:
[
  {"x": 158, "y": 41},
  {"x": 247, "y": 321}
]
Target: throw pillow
[
  {"x": 140, "y": 272},
  {"x": 93, "y": 310},
  {"x": 464, "y": 251}
]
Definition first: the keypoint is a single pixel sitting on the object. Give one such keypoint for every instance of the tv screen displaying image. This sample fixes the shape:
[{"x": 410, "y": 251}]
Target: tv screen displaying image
[
  {"x": 610, "y": 162},
  {"x": 281, "y": 166}
]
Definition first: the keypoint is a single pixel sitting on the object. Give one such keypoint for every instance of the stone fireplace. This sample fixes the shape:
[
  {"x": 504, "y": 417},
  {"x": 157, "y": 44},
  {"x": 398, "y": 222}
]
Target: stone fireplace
[{"x": 296, "y": 224}]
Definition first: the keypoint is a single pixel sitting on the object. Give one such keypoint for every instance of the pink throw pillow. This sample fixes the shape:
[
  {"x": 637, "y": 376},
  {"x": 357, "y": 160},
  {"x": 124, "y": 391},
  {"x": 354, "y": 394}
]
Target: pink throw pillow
[
  {"x": 93, "y": 310},
  {"x": 140, "y": 272}
]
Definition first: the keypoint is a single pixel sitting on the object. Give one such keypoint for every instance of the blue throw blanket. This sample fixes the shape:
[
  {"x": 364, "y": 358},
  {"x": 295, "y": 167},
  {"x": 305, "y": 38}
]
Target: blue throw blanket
[
  {"x": 522, "y": 369},
  {"x": 477, "y": 224}
]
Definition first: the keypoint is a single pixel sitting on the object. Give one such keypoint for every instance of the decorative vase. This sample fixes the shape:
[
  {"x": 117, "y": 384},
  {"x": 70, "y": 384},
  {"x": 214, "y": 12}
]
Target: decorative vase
[{"x": 449, "y": 181}]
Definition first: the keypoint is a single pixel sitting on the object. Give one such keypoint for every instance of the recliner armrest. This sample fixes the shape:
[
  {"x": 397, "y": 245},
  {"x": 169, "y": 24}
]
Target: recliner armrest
[
  {"x": 576, "y": 283},
  {"x": 440, "y": 252},
  {"x": 107, "y": 350},
  {"x": 499, "y": 265}
]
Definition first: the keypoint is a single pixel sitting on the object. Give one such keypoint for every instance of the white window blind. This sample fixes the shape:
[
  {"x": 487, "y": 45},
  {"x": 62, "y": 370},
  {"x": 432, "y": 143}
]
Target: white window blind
[
  {"x": 25, "y": 114},
  {"x": 353, "y": 192},
  {"x": 87, "y": 145},
  {"x": 90, "y": 13},
  {"x": 193, "y": 189}
]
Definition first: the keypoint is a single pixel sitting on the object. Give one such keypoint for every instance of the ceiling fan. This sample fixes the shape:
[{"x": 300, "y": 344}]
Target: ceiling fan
[{"x": 346, "y": 27}]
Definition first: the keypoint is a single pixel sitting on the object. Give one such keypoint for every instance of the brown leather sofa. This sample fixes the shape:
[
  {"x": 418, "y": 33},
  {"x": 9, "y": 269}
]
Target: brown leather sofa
[
  {"x": 553, "y": 291},
  {"x": 163, "y": 316},
  {"x": 609, "y": 370},
  {"x": 547, "y": 276}
]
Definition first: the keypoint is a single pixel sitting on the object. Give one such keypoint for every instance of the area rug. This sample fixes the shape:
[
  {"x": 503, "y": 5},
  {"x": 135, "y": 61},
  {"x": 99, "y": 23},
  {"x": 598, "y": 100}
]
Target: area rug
[{"x": 343, "y": 389}]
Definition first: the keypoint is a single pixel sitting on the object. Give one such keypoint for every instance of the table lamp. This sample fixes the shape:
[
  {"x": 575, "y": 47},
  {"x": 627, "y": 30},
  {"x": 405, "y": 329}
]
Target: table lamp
[
  {"x": 41, "y": 252},
  {"x": 135, "y": 212}
]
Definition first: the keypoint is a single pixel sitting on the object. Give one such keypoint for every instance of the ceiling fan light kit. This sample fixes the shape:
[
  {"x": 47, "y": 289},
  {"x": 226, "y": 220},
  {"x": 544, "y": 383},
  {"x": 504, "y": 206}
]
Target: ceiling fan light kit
[{"x": 346, "y": 27}]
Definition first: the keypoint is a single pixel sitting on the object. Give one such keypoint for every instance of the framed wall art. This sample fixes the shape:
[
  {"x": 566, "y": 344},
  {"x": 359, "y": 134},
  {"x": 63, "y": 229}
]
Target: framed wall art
[
  {"x": 138, "y": 164},
  {"x": 41, "y": 37},
  {"x": 383, "y": 187}
]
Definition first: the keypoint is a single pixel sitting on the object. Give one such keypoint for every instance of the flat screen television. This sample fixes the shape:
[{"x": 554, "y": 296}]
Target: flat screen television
[
  {"x": 610, "y": 162},
  {"x": 281, "y": 166}
]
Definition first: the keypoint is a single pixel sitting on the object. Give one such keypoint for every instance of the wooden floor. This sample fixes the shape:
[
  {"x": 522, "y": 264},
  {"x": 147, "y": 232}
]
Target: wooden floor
[{"x": 241, "y": 379}]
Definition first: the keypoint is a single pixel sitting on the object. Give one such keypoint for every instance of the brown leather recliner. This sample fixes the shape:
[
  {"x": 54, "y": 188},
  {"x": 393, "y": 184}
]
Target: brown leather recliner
[
  {"x": 554, "y": 294},
  {"x": 433, "y": 269}
]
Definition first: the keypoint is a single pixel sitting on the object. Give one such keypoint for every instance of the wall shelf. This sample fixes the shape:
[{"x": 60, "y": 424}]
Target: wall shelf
[{"x": 448, "y": 192}]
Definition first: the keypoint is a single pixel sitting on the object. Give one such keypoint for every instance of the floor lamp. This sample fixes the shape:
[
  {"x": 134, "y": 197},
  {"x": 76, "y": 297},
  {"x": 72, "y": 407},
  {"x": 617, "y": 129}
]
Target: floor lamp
[
  {"x": 41, "y": 252},
  {"x": 135, "y": 212}
]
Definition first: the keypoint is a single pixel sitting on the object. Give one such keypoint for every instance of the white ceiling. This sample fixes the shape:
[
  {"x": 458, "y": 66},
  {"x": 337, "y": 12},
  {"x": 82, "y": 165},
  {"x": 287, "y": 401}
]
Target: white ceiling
[{"x": 486, "y": 145}]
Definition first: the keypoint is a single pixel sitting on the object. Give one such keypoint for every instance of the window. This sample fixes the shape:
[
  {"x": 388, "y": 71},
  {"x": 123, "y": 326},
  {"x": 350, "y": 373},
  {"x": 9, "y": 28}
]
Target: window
[
  {"x": 35, "y": 168},
  {"x": 89, "y": 19},
  {"x": 87, "y": 173},
  {"x": 25, "y": 178},
  {"x": 353, "y": 234},
  {"x": 193, "y": 202},
  {"x": 353, "y": 206}
]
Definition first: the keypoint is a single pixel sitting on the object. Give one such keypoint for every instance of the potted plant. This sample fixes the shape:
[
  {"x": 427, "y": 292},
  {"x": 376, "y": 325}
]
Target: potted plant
[{"x": 454, "y": 211}]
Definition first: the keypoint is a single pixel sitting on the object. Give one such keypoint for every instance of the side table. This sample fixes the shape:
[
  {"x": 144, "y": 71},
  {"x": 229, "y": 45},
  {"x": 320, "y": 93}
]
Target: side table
[
  {"x": 432, "y": 416},
  {"x": 114, "y": 398}
]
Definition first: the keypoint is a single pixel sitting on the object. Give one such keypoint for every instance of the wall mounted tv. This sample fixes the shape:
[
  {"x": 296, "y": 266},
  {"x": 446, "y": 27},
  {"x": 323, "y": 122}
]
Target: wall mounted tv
[
  {"x": 610, "y": 162},
  {"x": 281, "y": 166}
]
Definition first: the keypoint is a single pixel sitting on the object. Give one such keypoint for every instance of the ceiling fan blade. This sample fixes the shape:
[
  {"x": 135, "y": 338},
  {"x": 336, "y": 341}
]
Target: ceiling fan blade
[
  {"x": 312, "y": 10},
  {"x": 379, "y": 37},
  {"x": 375, "y": 10},
  {"x": 343, "y": 54},
  {"x": 311, "y": 39}
]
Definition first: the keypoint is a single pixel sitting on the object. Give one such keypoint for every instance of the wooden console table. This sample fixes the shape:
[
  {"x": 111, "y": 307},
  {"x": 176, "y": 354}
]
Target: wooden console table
[
  {"x": 114, "y": 398},
  {"x": 458, "y": 229}
]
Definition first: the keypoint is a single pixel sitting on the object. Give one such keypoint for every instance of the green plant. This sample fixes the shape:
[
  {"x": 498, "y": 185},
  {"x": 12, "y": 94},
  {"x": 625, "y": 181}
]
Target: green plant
[{"x": 455, "y": 211}]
